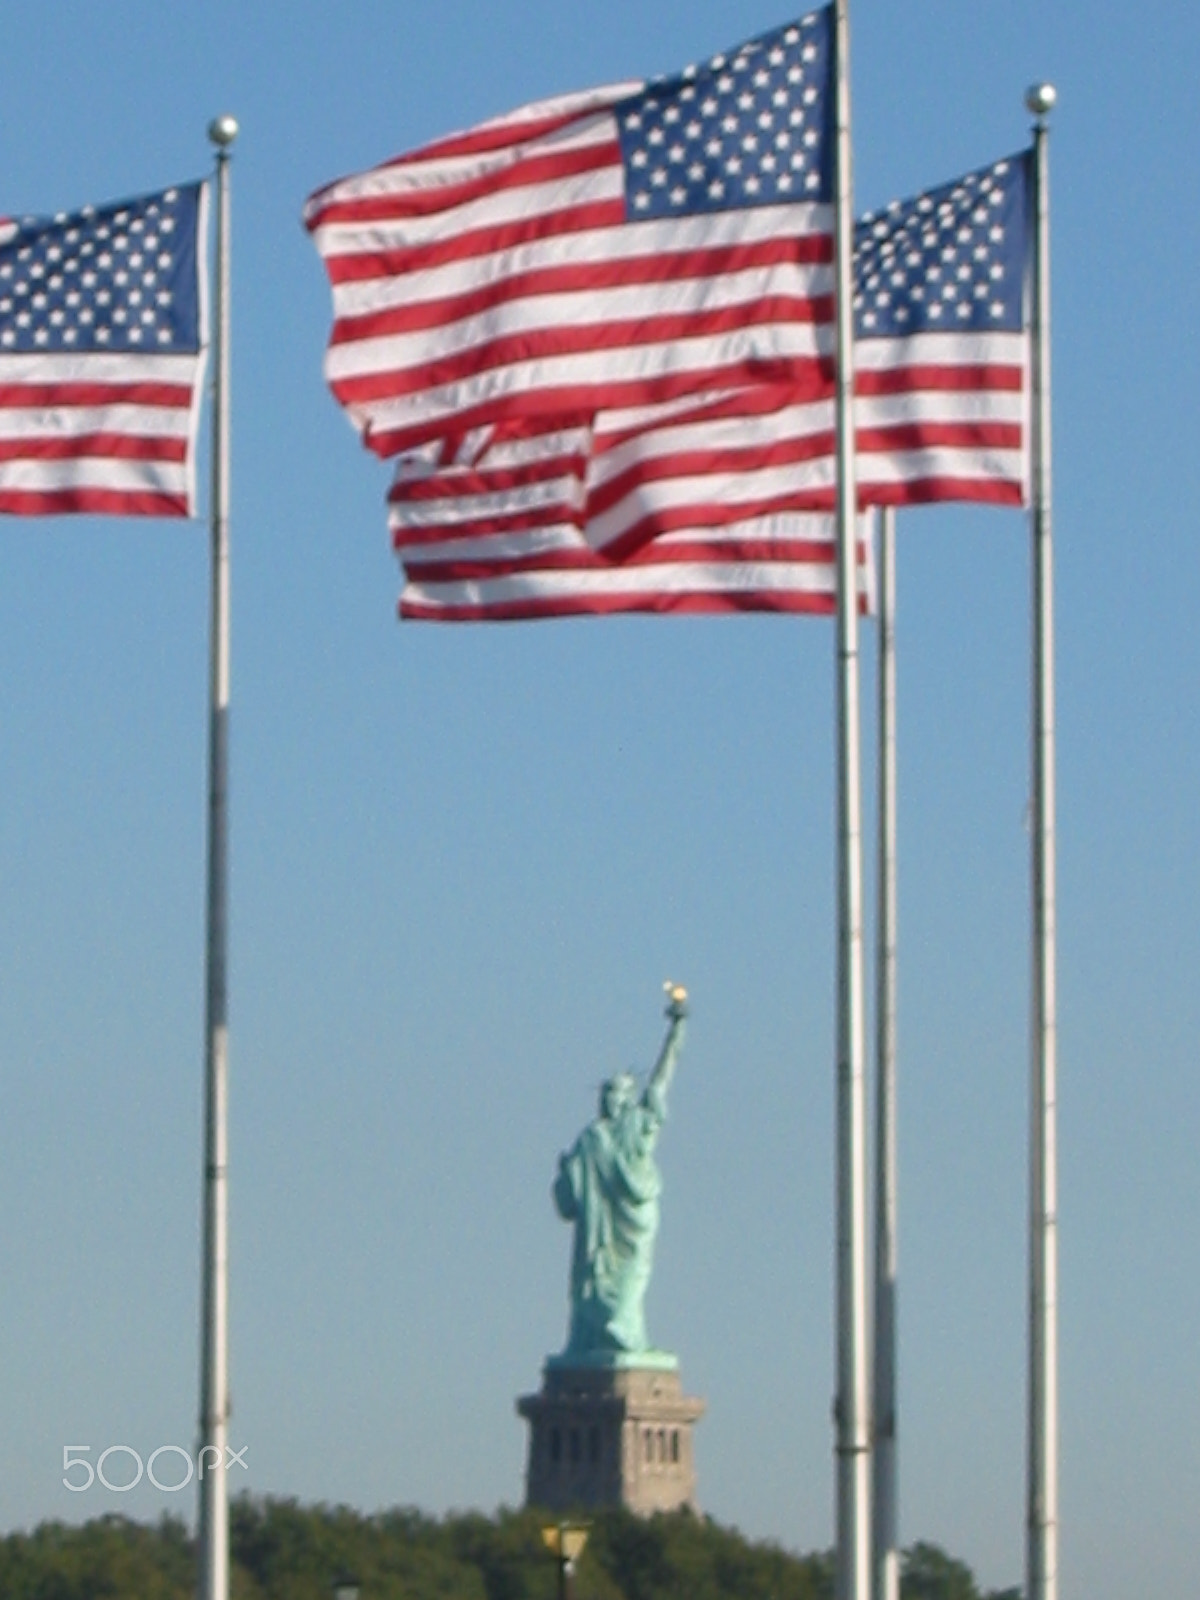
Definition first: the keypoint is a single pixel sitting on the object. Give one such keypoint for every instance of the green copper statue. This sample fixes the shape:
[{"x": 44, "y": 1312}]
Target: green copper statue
[{"x": 608, "y": 1186}]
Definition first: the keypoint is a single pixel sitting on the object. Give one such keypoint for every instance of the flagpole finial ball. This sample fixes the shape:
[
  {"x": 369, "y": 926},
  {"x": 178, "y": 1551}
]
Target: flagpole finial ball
[
  {"x": 222, "y": 131},
  {"x": 1040, "y": 98}
]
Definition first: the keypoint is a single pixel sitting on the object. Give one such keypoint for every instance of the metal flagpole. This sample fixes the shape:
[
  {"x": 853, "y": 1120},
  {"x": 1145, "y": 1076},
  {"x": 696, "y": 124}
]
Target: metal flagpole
[
  {"x": 851, "y": 1409},
  {"x": 214, "y": 1357},
  {"x": 1042, "y": 1507},
  {"x": 885, "y": 1569}
]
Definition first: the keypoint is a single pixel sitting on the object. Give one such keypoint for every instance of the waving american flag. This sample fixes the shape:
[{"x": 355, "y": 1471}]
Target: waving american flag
[
  {"x": 102, "y": 343},
  {"x": 621, "y": 247}
]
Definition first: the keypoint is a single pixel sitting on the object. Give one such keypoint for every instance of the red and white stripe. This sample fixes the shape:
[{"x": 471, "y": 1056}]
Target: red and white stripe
[
  {"x": 493, "y": 276},
  {"x": 99, "y": 433},
  {"x": 619, "y": 515},
  {"x": 943, "y": 416}
]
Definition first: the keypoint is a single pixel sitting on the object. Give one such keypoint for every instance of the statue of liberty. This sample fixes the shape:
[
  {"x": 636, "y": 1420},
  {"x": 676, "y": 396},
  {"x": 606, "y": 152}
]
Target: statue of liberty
[{"x": 608, "y": 1186}]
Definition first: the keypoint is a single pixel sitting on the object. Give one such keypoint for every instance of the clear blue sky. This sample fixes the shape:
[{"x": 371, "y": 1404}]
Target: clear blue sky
[{"x": 465, "y": 859}]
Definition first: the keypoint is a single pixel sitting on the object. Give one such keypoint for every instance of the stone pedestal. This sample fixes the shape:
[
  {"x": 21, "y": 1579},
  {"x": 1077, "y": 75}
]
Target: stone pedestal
[{"x": 610, "y": 1437}]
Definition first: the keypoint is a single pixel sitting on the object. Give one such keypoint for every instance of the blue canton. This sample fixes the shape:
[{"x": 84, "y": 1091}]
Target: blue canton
[
  {"x": 753, "y": 127},
  {"x": 953, "y": 260},
  {"x": 119, "y": 279}
]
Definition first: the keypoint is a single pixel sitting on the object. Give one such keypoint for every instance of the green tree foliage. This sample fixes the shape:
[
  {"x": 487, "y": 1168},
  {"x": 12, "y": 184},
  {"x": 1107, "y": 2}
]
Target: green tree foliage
[
  {"x": 109, "y": 1559},
  {"x": 928, "y": 1573},
  {"x": 284, "y": 1551}
]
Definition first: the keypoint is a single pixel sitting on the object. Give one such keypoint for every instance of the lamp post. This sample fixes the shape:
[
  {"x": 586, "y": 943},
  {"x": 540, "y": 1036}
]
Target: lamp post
[{"x": 565, "y": 1540}]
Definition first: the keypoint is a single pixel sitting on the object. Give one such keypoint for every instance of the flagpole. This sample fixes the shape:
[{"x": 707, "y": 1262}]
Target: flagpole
[
  {"x": 851, "y": 1409},
  {"x": 213, "y": 1539},
  {"x": 885, "y": 1570},
  {"x": 1042, "y": 1504}
]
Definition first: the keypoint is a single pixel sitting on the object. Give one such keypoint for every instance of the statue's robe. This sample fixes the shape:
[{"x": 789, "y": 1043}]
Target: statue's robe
[{"x": 608, "y": 1185}]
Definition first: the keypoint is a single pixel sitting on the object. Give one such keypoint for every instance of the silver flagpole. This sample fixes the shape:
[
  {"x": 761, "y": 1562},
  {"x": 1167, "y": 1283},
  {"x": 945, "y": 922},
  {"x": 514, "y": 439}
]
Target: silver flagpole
[
  {"x": 1042, "y": 1507},
  {"x": 214, "y": 1333},
  {"x": 851, "y": 1405},
  {"x": 885, "y": 1568}
]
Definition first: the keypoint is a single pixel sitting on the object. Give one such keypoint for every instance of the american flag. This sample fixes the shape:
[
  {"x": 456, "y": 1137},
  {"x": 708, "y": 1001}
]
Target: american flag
[
  {"x": 942, "y": 343},
  {"x": 102, "y": 342},
  {"x": 622, "y": 247}
]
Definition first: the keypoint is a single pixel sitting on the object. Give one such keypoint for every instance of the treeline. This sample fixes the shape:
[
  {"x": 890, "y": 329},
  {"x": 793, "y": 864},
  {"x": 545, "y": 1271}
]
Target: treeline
[{"x": 285, "y": 1551}]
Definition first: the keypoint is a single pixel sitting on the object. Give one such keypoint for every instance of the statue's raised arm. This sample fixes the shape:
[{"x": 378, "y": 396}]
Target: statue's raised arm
[
  {"x": 655, "y": 1097},
  {"x": 608, "y": 1186}
]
